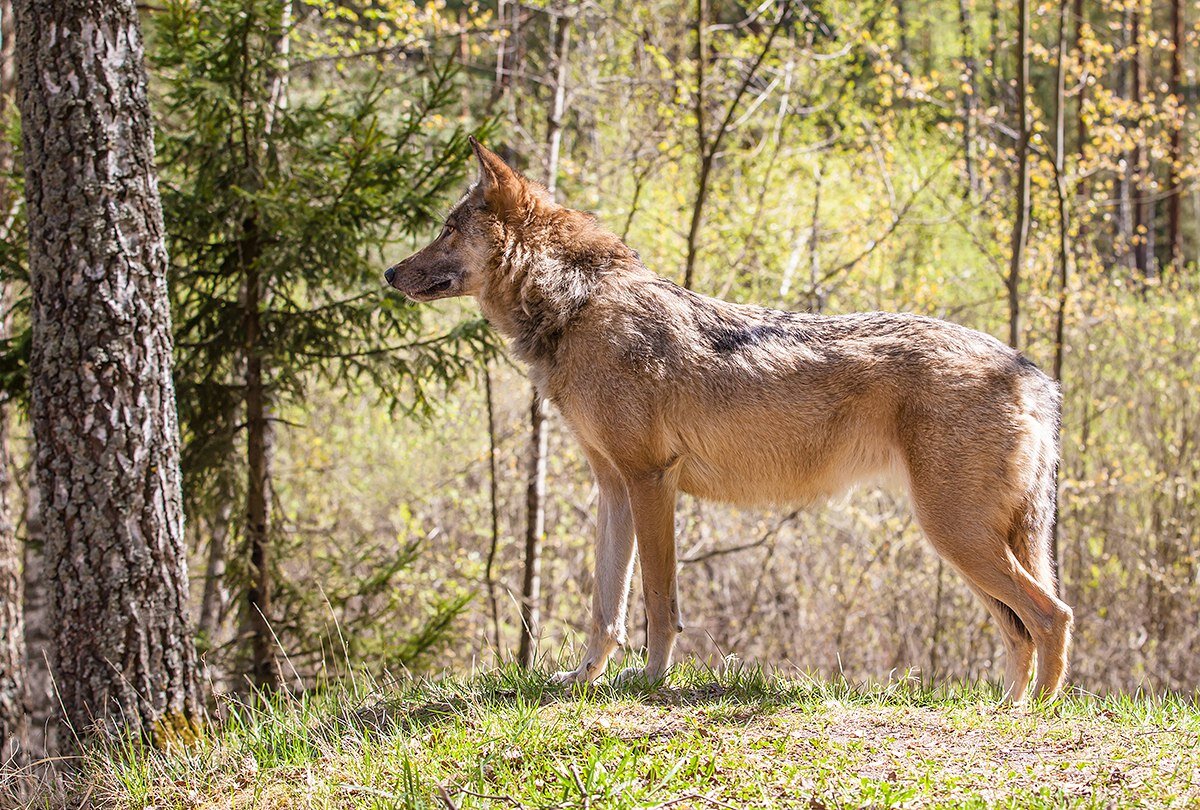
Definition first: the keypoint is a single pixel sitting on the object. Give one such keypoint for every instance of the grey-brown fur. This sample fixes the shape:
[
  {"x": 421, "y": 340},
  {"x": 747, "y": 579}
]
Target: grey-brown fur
[{"x": 667, "y": 391}]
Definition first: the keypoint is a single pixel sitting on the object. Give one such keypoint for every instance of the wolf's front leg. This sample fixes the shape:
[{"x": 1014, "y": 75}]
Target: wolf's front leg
[
  {"x": 610, "y": 592},
  {"x": 652, "y": 498}
]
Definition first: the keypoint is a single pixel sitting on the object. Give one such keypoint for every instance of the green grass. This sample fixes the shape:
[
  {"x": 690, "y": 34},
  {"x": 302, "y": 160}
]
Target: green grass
[{"x": 704, "y": 740}]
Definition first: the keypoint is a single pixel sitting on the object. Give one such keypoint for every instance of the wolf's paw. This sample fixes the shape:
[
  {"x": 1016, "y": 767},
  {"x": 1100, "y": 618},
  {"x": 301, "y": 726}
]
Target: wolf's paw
[
  {"x": 569, "y": 677},
  {"x": 638, "y": 677}
]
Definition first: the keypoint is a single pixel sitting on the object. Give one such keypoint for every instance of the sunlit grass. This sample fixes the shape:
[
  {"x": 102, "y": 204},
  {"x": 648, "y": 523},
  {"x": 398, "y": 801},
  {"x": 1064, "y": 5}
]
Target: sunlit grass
[{"x": 741, "y": 737}]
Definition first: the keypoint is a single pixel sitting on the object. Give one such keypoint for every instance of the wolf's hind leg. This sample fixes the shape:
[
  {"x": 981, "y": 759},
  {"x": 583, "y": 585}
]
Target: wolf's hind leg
[
  {"x": 1018, "y": 647},
  {"x": 614, "y": 568},
  {"x": 1048, "y": 619},
  {"x": 990, "y": 566},
  {"x": 996, "y": 533}
]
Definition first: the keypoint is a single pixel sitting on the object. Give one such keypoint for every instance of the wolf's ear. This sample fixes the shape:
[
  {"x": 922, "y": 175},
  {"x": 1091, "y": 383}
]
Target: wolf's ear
[{"x": 503, "y": 189}]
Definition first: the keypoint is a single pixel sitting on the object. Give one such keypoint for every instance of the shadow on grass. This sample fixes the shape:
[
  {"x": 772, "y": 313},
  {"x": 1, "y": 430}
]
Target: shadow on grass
[{"x": 746, "y": 691}]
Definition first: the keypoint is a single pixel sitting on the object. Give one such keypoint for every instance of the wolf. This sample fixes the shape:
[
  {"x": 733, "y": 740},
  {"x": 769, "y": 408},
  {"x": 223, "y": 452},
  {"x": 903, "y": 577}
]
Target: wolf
[{"x": 670, "y": 391}]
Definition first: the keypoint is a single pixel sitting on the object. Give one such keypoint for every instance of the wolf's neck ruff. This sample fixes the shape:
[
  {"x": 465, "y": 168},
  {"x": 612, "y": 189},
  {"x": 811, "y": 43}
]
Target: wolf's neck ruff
[{"x": 544, "y": 273}]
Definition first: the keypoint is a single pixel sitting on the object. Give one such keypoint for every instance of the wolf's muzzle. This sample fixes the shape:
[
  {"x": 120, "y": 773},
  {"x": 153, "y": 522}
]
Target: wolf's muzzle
[{"x": 389, "y": 274}]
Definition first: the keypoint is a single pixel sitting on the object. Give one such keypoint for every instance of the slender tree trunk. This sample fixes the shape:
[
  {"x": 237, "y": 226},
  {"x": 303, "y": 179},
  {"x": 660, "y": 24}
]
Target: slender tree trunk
[
  {"x": 1124, "y": 223},
  {"x": 507, "y": 11},
  {"x": 693, "y": 237},
  {"x": 38, "y": 643},
  {"x": 1196, "y": 224},
  {"x": 709, "y": 144},
  {"x": 1081, "y": 133},
  {"x": 535, "y": 530},
  {"x": 1080, "y": 15},
  {"x": 816, "y": 296},
  {"x": 970, "y": 97},
  {"x": 1020, "y": 234},
  {"x": 700, "y": 56},
  {"x": 103, "y": 403},
  {"x": 1064, "y": 239},
  {"x": 1175, "y": 159},
  {"x": 1140, "y": 207},
  {"x": 464, "y": 57},
  {"x": 214, "y": 601},
  {"x": 498, "y": 83},
  {"x": 1064, "y": 210},
  {"x": 13, "y": 714},
  {"x": 902, "y": 45},
  {"x": 279, "y": 81},
  {"x": 999, "y": 98},
  {"x": 494, "y": 499},
  {"x": 507, "y": 56},
  {"x": 1175, "y": 564},
  {"x": 264, "y": 668},
  {"x": 216, "y": 592},
  {"x": 264, "y": 671},
  {"x": 554, "y": 126},
  {"x": 539, "y": 408}
]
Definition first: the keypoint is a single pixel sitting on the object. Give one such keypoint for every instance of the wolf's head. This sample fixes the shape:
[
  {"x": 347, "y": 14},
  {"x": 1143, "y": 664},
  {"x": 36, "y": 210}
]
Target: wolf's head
[
  {"x": 456, "y": 262},
  {"x": 530, "y": 263}
]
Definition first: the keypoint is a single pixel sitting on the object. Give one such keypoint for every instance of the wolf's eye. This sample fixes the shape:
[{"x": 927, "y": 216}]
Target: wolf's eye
[{"x": 447, "y": 229}]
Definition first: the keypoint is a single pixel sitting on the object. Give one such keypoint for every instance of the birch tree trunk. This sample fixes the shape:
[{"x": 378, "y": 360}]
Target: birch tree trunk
[
  {"x": 535, "y": 529},
  {"x": 103, "y": 402},
  {"x": 39, "y": 691},
  {"x": 215, "y": 599},
  {"x": 13, "y": 714},
  {"x": 539, "y": 409}
]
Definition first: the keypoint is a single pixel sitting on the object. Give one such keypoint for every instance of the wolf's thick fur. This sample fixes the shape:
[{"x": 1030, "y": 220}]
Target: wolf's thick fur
[{"x": 669, "y": 391}]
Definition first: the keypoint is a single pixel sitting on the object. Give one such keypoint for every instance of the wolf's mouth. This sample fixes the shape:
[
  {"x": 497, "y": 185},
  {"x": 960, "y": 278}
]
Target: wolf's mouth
[{"x": 434, "y": 289}]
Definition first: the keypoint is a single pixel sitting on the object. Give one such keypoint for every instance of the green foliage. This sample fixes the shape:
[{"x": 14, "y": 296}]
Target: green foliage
[
  {"x": 304, "y": 196},
  {"x": 365, "y": 607},
  {"x": 282, "y": 188}
]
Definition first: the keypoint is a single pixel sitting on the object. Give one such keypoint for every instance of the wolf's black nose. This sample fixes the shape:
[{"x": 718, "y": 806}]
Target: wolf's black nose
[{"x": 389, "y": 274}]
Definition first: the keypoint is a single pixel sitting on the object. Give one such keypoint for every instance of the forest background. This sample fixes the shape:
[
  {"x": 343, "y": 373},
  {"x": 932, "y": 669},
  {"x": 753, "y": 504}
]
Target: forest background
[{"x": 372, "y": 485}]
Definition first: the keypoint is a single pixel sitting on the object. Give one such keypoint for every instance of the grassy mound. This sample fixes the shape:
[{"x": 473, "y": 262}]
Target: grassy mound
[{"x": 736, "y": 739}]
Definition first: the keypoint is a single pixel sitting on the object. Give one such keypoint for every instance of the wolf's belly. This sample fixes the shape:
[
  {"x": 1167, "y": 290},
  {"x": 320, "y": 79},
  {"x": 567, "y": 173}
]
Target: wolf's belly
[{"x": 796, "y": 473}]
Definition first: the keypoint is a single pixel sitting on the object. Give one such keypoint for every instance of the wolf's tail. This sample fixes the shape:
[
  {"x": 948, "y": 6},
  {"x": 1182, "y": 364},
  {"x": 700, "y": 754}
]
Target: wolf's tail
[{"x": 1034, "y": 527}]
